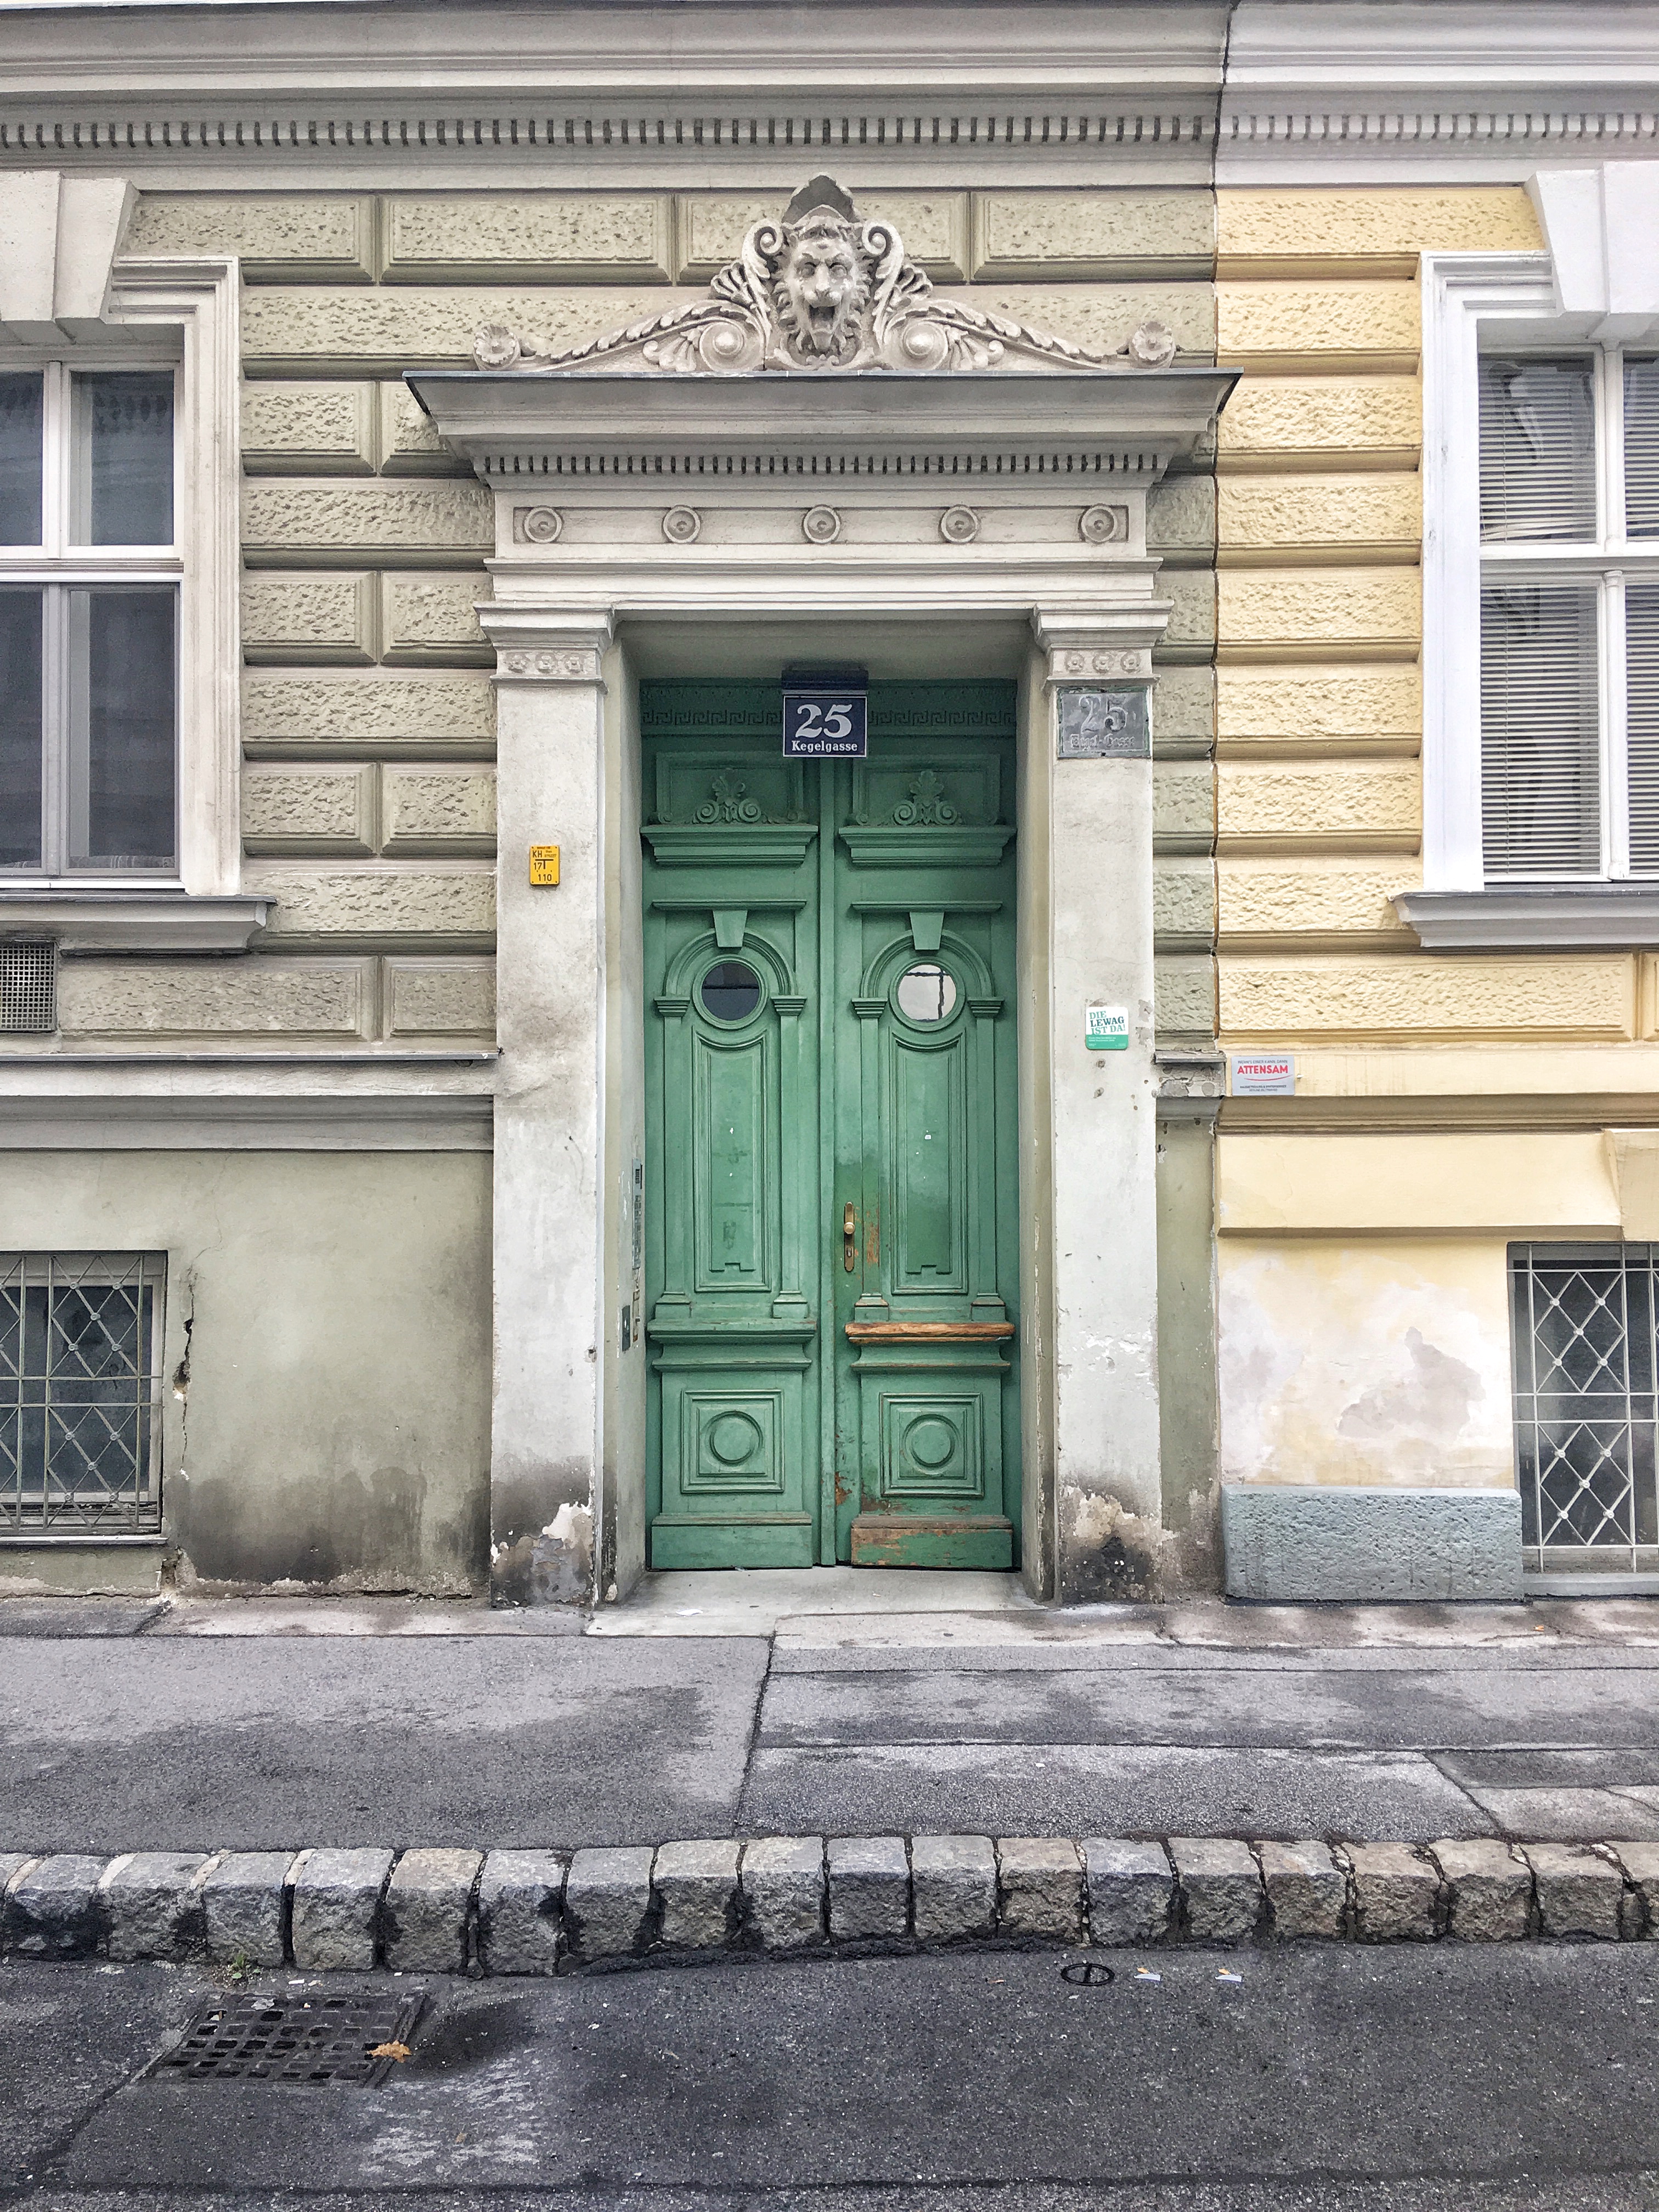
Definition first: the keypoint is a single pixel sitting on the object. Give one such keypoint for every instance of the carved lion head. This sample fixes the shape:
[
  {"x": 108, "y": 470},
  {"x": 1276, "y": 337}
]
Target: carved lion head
[{"x": 820, "y": 290}]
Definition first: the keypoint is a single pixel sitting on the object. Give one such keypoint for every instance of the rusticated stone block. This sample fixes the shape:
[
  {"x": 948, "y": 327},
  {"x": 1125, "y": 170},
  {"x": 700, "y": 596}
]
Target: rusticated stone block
[
  {"x": 1376, "y": 705},
  {"x": 1131, "y": 1891},
  {"x": 325, "y": 235},
  {"x": 1220, "y": 1887},
  {"x": 521, "y": 1910},
  {"x": 1588, "y": 996},
  {"x": 1191, "y": 595},
  {"x": 933, "y": 225},
  {"x": 697, "y": 1887},
  {"x": 869, "y": 1888},
  {"x": 954, "y": 1883},
  {"x": 1376, "y": 513},
  {"x": 1307, "y": 612},
  {"x": 336, "y": 1905},
  {"x": 1100, "y": 317},
  {"x": 453, "y": 996},
  {"x": 410, "y": 444},
  {"x": 212, "y": 997},
  {"x": 308, "y": 429},
  {"x": 242, "y": 1905},
  {"x": 783, "y": 1890},
  {"x": 431, "y": 811},
  {"x": 1365, "y": 802},
  {"x": 1307, "y": 1890},
  {"x": 1321, "y": 419},
  {"x": 1396, "y": 1891},
  {"x": 1093, "y": 234},
  {"x": 1489, "y": 1889},
  {"x": 308, "y": 809},
  {"x": 608, "y": 1903},
  {"x": 1389, "y": 224},
  {"x": 1183, "y": 711},
  {"x": 427, "y": 1903},
  {"x": 1183, "y": 807},
  {"x": 151, "y": 1904},
  {"x": 318, "y": 905},
  {"x": 1579, "y": 1892},
  {"x": 1285, "y": 326},
  {"x": 1183, "y": 904},
  {"x": 382, "y": 519},
  {"x": 541, "y": 237},
  {"x": 368, "y": 710},
  {"x": 51, "y": 1908},
  {"x": 434, "y": 618},
  {"x": 1040, "y": 1887},
  {"x": 288, "y": 615},
  {"x": 1184, "y": 994},
  {"x": 320, "y": 330},
  {"x": 1180, "y": 518},
  {"x": 1313, "y": 895}
]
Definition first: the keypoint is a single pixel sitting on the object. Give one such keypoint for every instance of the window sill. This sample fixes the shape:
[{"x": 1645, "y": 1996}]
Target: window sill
[
  {"x": 1514, "y": 916},
  {"x": 132, "y": 920}
]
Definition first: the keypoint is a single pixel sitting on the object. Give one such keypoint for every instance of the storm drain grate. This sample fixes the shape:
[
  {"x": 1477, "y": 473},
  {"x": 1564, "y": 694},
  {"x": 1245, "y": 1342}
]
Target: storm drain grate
[{"x": 291, "y": 2038}]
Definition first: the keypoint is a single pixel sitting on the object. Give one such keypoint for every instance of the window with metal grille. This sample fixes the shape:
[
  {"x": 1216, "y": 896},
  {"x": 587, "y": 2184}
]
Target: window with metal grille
[
  {"x": 28, "y": 988},
  {"x": 80, "y": 1394},
  {"x": 1586, "y": 1405},
  {"x": 1569, "y": 615}
]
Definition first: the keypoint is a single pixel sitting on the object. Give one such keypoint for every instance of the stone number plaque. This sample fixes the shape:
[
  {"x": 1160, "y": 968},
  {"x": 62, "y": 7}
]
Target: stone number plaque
[{"x": 1103, "y": 725}]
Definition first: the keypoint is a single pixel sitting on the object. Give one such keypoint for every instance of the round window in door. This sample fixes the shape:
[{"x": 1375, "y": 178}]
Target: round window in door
[
  {"x": 926, "y": 993},
  {"x": 729, "y": 992}
]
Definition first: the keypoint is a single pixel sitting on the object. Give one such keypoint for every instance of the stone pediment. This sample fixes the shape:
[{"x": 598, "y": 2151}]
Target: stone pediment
[{"x": 820, "y": 289}]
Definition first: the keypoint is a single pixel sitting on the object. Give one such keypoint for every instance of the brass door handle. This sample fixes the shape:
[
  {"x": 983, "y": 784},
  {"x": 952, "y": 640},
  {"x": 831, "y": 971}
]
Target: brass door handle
[{"x": 849, "y": 1237}]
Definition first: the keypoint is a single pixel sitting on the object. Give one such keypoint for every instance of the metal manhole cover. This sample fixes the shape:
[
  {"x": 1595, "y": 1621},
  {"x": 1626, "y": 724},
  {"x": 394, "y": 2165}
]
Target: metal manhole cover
[{"x": 294, "y": 2039}]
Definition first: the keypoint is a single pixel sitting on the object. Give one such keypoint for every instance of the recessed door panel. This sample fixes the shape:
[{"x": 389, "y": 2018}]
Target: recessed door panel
[{"x": 831, "y": 1235}]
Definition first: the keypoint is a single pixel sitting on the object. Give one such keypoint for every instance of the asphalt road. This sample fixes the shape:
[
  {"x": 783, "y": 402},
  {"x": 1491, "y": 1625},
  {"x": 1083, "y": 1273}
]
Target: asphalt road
[
  {"x": 117, "y": 1732},
  {"x": 1438, "y": 2079}
]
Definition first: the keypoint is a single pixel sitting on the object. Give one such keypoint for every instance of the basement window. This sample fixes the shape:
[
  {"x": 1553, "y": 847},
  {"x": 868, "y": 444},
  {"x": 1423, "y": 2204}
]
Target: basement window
[
  {"x": 1586, "y": 1406},
  {"x": 79, "y": 1394}
]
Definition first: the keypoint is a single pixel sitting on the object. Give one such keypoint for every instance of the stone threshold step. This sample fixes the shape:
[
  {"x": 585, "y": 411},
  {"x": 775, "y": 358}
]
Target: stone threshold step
[{"x": 560, "y": 1911}]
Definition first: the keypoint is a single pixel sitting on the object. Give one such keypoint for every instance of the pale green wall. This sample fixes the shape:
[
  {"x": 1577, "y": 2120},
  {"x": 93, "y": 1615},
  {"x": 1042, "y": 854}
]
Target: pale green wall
[{"x": 336, "y": 1430}]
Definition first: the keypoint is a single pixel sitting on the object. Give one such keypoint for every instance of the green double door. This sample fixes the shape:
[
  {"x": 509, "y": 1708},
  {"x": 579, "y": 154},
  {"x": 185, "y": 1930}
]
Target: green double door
[{"x": 831, "y": 1172}]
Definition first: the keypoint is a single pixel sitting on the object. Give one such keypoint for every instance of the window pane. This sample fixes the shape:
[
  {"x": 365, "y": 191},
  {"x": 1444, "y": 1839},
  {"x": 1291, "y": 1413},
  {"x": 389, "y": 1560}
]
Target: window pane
[
  {"x": 1642, "y": 720},
  {"x": 20, "y": 460},
  {"x": 1537, "y": 448},
  {"x": 121, "y": 726},
  {"x": 1540, "y": 742},
  {"x": 122, "y": 458},
  {"x": 1641, "y": 448},
  {"x": 21, "y": 615}
]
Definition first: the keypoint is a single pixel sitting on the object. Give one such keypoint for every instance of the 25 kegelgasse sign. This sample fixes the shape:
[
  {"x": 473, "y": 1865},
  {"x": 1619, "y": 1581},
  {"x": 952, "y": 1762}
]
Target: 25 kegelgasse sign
[{"x": 833, "y": 725}]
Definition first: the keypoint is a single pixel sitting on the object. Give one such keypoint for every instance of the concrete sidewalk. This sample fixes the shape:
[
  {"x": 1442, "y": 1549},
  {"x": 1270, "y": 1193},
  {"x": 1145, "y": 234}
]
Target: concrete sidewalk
[{"x": 714, "y": 1706}]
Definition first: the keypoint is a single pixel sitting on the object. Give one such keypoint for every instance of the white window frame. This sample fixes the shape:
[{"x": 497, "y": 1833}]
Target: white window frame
[
  {"x": 199, "y": 908},
  {"x": 1485, "y": 302}
]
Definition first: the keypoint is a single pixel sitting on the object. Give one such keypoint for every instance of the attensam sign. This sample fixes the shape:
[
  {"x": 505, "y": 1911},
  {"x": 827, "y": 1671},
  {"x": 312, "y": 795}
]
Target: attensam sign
[{"x": 1263, "y": 1075}]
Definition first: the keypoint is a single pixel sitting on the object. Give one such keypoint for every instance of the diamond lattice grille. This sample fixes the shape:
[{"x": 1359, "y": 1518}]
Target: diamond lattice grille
[{"x": 80, "y": 1393}]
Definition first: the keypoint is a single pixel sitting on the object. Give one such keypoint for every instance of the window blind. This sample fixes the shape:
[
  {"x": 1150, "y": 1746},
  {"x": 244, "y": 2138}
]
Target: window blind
[
  {"x": 1539, "y": 730},
  {"x": 1537, "y": 449},
  {"x": 1641, "y": 448},
  {"x": 1642, "y": 722}
]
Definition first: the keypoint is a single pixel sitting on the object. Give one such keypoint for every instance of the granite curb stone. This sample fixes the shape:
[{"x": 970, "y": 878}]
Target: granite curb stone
[
  {"x": 1396, "y": 1893},
  {"x": 51, "y": 1907},
  {"x": 1131, "y": 1890},
  {"x": 243, "y": 1906},
  {"x": 869, "y": 1889},
  {"x": 428, "y": 1909},
  {"x": 336, "y": 1908},
  {"x": 1488, "y": 1890},
  {"x": 1580, "y": 1892},
  {"x": 151, "y": 1904},
  {"x": 1040, "y": 1887},
  {"x": 520, "y": 1912},
  {"x": 783, "y": 1890},
  {"x": 697, "y": 1887},
  {"x": 1641, "y": 1864},
  {"x": 953, "y": 1881},
  {"x": 607, "y": 1901},
  {"x": 1220, "y": 1887},
  {"x": 1307, "y": 1890}
]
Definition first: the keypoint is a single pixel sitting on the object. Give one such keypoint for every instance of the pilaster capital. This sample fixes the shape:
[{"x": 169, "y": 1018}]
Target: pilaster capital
[
  {"x": 1099, "y": 644},
  {"x": 547, "y": 645}
]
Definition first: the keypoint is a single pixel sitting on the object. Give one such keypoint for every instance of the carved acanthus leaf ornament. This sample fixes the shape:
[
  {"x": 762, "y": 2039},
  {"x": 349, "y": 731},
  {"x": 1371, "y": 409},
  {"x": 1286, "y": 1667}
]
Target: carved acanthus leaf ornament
[{"x": 822, "y": 289}]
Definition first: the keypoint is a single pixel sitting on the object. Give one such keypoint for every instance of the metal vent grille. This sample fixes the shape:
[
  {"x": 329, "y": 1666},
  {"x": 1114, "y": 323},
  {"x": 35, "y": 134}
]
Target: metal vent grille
[
  {"x": 304, "y": 2040},
  {"x": 28, "y": 988}
]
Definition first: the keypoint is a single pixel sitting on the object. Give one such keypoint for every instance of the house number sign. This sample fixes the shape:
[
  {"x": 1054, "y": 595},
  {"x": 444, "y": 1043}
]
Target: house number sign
[
  {"x": 1101, "y": 724},
  {"x": 826, "y": 724}
]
